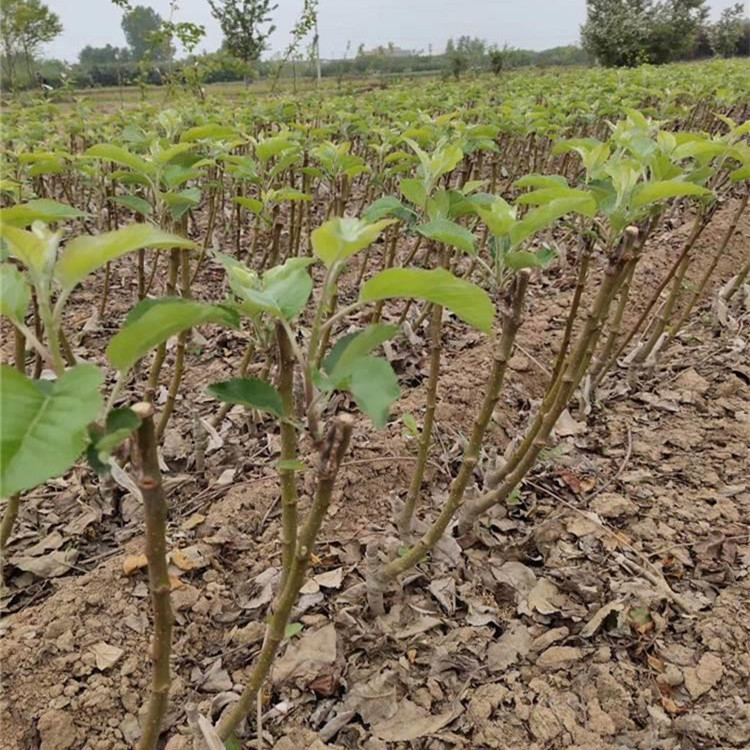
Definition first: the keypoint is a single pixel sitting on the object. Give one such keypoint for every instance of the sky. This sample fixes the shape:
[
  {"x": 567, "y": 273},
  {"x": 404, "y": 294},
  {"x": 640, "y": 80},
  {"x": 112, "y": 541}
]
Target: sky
[{"x": 411, "y": 24}]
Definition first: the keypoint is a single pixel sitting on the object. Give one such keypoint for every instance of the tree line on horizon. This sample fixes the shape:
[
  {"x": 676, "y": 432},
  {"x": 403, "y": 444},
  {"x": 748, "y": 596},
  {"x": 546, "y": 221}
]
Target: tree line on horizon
[{"x": 616, "y": 33}]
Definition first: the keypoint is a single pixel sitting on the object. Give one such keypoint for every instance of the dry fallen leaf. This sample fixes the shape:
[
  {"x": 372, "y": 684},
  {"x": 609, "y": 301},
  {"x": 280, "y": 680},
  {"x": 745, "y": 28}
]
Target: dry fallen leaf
[
  {"x": 105, "y": 655},
  {"x": 54, "y": 564},
  {"x": 189, "y": 558},
  {"x": 306, "y": 658},
  {"x": 132, "y": 563},
  {"x": 513, "y": 644},
  {"x": 412, "y": 722}
]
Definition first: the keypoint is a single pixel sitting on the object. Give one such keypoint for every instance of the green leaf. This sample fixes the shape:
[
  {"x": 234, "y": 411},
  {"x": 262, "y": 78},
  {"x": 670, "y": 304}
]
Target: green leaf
[
  {"x": 151, "y": 322},
  {"x": 15, "y": 293},
  {"x": 43, "y": 429},
  {"x": 520, "y": 259},
  {"x": 85, "y": 254},
  {"x": 165, "y": 156},
  {"x": 119, "y": 155},
  {"x": 500, "y": 216},
  {"x": 33, "y": 249},
  {"x": 251, "y": 204},
  {"x": 42, "y": 209},
  {"x": 385, "y": 207},
  {"x": 466, "y": 300},
  {"x": 545, "y": 216},
  {"x": 352, "y": 347},
  {"x": 292, "y": 629},
  {"x": 212, "y": 131},
  {"x": 414, "y": 191},
  {"x": 252, "y": 393},
  {"x": 342, "y": 237},
  {"x": 652, "y": 192},
  {"x": 120, "y": 424},
  {"x": 410, "y": 423},
  {"x": 449, "y": 233},
  {"x": 271, "y": 147},
  {"x": 134, "y": 203},
  {"x": 374, "y": 386},
  {"x": 283, "y": 291}
]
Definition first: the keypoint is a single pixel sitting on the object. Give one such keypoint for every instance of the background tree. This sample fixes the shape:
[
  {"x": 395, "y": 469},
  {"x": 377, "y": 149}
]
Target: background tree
[
  {"x": 673, "y": 29},
  {"x": 242, "y": 23},
  {"x": 632, "y": 32},
  {"x": 616, "y": 31},
  {"x": 25, "y": 25},
  {"x": 141, "y": 25},
  {"x": 726, "y": 34}
]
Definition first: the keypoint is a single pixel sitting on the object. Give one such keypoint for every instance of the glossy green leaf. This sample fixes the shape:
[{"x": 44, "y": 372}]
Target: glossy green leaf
[
  {"x": 414, "y": 191},
  {"x": 212, "y": 132},
  {"x": 42, "y": 209},
  {"x": 385, "y": 207},
  {"x": 251, "y": 204},
  {"x": 44, "y": 424},
  {"x": 119, "y": 155},
  {"x": 134, "y": 203},
  {"x": 449, "y": 233},
  {"x": 547, "y": 215},
  {"x": 652, "y": 192},
  {"x": 152, "y": 322},
  {"x": 119, "y": 425},
  {"x": 466, "y": 300},
  {"x": 342, "y": 237},
  {"x": 15, "y": 293},
  {"x": 271, "y": 147},
  {"x": 374, "y": 386},
  {"x": 251, "y": 393},
  {"x": 85, "y": 254},
  {"x": 282, "y": 292},
  {"x": 352, "y": 347},
  {"x": 35, "y": 249}
]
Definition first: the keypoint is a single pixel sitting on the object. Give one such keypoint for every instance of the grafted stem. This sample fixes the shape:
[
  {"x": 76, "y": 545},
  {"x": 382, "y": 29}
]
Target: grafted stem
[
  {"x": 331, "y": 454},
  {"x": 406, "y": 518},
  {"x": 504, "y": 349},
  {"x": 698, "y": 293},
  {"x": 288, "y": 452},
  {"x": 155, "y": 514},
  {"x": 524, "y": 457}
]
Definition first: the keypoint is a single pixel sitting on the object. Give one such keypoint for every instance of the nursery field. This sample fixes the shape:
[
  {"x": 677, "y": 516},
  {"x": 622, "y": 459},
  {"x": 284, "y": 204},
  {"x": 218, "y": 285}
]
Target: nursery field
[{"x": 414, "y": 416}]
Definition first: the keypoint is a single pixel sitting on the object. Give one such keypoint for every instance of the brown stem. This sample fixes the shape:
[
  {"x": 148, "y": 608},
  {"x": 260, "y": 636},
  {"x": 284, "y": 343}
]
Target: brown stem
[
  {"x": 105, "y": 291},
  {"x": 698, "y": 293},
  {"x": 511, "y": 323},
  {"x": 287, "y": 475},
  {"x": 155, "y": 514},
  {"x": 161, "y": 350},
  {"x": 736, "y": 283},
  {"x": 65, "y": 348},
  {"x": 6, "y": 526},
  {"x": 597, "y": 367},
  {"x": 698, "y": 226},
  {"x": 331, "y": 454},
  {"x": 406, "y": 517},
  {"x": 525, "y": 455},
  {"x": 19, "y": 351},
  {"x": 583, "y": 271}
]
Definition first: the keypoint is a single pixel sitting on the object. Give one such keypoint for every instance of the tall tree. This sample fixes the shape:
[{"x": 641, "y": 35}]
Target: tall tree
[
  {"x": 243, "y": 23},
  {"x": 726, "y": 34},
  {"x": 25, "y": 25},
  {"x": 141, "y": 26},
  {"x": 631, "y": 32}
]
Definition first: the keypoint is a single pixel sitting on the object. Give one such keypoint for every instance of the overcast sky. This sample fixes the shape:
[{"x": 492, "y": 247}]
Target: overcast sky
[{"x": 413, "y": 24}]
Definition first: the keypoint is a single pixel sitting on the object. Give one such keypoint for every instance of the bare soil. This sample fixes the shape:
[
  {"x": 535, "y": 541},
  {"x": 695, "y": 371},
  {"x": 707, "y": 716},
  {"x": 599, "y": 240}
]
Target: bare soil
[{"x": 550, "y": 630}]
